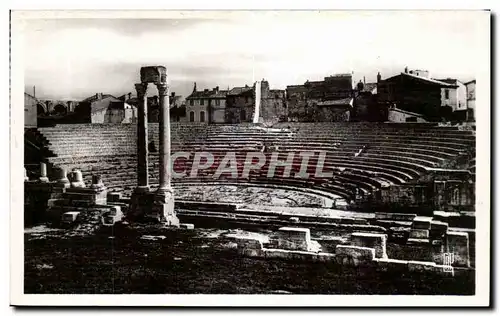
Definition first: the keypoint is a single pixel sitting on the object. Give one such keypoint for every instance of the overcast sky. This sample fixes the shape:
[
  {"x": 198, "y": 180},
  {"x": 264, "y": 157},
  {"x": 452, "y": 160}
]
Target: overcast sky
[{"x": 75, "y": 58}]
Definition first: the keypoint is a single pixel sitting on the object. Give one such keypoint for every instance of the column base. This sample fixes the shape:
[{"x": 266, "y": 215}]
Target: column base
[
  {"x": 62, "y": 184},
  {"x": 163, "y": 207},
  {"x": 140, "y": 203}
]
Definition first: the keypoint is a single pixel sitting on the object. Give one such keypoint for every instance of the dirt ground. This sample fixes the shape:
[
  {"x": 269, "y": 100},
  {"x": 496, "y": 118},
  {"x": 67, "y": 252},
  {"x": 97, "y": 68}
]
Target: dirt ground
[{"x": 148, "y": 259}]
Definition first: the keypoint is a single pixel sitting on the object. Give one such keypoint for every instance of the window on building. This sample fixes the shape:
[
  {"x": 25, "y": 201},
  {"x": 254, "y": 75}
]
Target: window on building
[
  {"x": 243, "y": 115},
  {"x": 246, "y": 99},
  {"x": 191, "y": 102},
  {"x": 201, "y": 102},
  {"x": 446, "y": 94},
  {"x": 202, "y": 116},
  {"x": 217, "y": 102},
  {"x": 191, "y": 116}
]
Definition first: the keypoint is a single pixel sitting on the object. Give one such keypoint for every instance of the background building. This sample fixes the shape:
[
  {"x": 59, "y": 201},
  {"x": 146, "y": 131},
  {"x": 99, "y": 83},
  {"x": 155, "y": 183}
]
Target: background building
[
  {"x": 31, "y": 105},
  {"x": 107, "y": 109},
  {"x": 316, "y": 101},
  {"x": 240, "y": 105},
  {"x": 413, "y": 93},
  {"x": 207, "y": 106},
  {"x": 471, "y": 100}
]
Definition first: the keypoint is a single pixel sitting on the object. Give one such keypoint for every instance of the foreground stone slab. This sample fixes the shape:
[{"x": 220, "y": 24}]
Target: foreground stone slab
[
  {"x": 371, "y": 240},
  {"x": 294, "y": 238},
  {"x": 250, "y": 247},
  {"x": 297, "y": 255},
  {"x": 457, "y": 246},
  {"x": 186, "y": 226},
  {"x": 438, "y": 229},
  {"x": 354, "y": 255},
  {"x": 421, "y": 266},
  {"x": 419, "y": 234},
  {"x": 417, "y": 241},
  {"x": 422, "y": 222},
  {"x": 386, "y": 264}
]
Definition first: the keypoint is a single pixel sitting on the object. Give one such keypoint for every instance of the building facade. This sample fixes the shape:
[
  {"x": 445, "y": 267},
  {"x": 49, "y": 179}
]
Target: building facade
[
  {"x": 207, "y": 106},
  {"x": 454, "y": 96},
  {"x": 240, "y": 104},
  {"x": 106, "y": 109},
  {"x": 31, "y": 106},
  {"x": 317, "y": 101},
  {"x": 471, "y": 100},
  {"x": 413, "y": 93}
]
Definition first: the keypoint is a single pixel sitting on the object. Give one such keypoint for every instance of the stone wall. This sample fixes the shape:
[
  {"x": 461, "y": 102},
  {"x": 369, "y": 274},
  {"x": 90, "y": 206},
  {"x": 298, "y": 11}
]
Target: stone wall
[{"x": 30, "y": 111}]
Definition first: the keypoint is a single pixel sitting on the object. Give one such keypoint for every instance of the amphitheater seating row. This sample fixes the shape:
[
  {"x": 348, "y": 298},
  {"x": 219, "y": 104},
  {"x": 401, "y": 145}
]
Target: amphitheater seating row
[{"x": 394, "y": 153}]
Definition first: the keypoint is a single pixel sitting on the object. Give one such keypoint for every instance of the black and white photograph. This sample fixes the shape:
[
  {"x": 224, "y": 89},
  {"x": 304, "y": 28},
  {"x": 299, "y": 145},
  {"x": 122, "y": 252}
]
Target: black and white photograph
[{"x": 284, "y": 154}]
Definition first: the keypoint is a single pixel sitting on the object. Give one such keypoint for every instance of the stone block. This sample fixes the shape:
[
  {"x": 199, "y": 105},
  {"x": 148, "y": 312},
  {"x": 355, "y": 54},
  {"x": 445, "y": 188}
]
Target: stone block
[
  {"x": 91, "y": 195},
  {"x": 114, "y": 197},
  {"x": 294, "y": 238},
  {"x": 387, "y": 264},
  {"x": 54, "y": 202},
  {"x": 163, "y": 209},
  {"x": 444, "y": 270},
  {"x": 247, "y": 243},
  {"x": 417, "y": 241},
  {"x": 395, "y": 216},
  {"x": 371, "y": 240},
  {"x": 422, "y": 222},
  {"x": 153, "y": 74},
  {"x": 419, "y": 234},
  {"x": 439, "y": 226},
  {"x": 354, "y": 255},
  {"x": 421, "y": 266},
  {"x": 457, "y": 244},
  {"x": 141, "y": 204},
  {"x": 253, "y": 253},
  {"x": 186, "y": 226},
  {"x": 328, "y": 244}
]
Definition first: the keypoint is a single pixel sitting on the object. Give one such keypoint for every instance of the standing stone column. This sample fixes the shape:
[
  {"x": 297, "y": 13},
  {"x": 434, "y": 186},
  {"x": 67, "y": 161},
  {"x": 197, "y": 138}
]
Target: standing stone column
[
  {"x": 43, "y": 173},
  {"x": 61, "y": 177},
  {"x": 164, "y": 137},
  {"x": 142, "y": 138}
]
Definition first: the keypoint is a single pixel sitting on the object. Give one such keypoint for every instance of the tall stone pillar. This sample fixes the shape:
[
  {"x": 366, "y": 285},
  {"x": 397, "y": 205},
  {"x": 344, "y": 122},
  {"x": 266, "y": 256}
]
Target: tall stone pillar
[
  {"x": 164, "y": 137},
  {"x": 164, "y": 197},
  {"x": 142, "y": 139}
]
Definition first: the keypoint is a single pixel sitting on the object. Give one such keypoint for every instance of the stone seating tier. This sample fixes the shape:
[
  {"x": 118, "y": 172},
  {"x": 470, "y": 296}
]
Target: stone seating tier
[{"x": 397, "y": 153}]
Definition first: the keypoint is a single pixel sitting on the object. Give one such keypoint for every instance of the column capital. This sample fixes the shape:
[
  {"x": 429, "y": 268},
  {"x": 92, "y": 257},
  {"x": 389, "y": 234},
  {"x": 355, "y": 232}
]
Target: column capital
[
  {"x": 162, "y": 88},
  {"x": 142, "y": 89}
]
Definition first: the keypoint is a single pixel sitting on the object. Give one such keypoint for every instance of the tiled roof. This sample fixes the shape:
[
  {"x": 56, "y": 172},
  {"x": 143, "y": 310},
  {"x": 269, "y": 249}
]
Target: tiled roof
[
  {"x": 428, "y": 80},
  {"x": 94, "y": 98},
  {"x": 451, "y": 81},
  {"x": 104, "y": 103},
  {"x": 208, "y": 94},
  {"x": 239, "y": 90}
]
